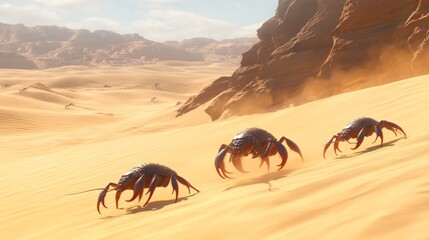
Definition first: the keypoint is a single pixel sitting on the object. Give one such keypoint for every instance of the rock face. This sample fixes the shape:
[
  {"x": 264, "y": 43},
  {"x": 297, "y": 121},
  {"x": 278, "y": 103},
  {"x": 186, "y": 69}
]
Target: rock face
[
  {"x": 329, "y": 45},
  {"x": 13, "y": 60}
]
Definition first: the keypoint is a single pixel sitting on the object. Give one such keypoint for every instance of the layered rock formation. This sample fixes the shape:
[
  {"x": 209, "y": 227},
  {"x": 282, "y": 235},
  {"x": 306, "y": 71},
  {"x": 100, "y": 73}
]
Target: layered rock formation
[
  {"x": 336, "y": 45},
  {"x": 13, "y": 60}
]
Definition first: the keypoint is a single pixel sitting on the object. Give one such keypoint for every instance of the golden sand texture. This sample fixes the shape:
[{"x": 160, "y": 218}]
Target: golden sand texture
[{"x": 50, "y": 155}]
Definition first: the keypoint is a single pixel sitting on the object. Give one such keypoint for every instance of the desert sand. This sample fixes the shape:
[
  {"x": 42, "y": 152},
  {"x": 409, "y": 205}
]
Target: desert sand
[{"x": 120, "y": 117}]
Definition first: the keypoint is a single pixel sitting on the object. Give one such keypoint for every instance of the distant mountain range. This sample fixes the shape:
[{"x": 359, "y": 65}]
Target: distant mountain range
[{"x": 41, "y": 47}]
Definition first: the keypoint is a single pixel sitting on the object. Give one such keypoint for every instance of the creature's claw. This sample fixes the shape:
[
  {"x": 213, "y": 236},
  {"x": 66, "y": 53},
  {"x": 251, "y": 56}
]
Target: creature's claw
[
  {"x": 219, "y": 161},
  {"x": 151, "y": 188},
  {"x": 360, "y": 138},
  {"x": 392, "y": 127},
  {"x": 223, "y": 146},
  {"x": 102, "y": 195},
  {"x": 175, "y": 186},
  {"x": 101, "y": 200},
  {"x": 186, "y": 183},
  {"x": 294, "y": 147}
]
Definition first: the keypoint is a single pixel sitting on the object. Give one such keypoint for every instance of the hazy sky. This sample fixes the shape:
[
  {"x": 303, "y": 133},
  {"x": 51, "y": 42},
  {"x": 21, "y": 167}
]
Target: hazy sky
[{"x": 157, "y": 20}]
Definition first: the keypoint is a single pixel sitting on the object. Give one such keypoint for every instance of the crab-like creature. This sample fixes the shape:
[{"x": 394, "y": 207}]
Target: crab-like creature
[
  {"x": 359, "y": 128},
  {"x": 146, "y": 175},
  {"x": 257, "y": 142}
]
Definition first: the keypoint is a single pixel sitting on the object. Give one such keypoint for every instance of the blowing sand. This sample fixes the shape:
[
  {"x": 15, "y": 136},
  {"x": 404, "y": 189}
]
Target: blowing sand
[{"x": 121, "y": 117}]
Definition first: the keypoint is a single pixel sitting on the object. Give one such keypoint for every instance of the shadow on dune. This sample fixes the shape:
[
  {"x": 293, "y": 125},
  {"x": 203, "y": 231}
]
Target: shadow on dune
[
  {"x": 266, "y": 178},
  {"x": 155, "y": 205},
  {"x": 370, "y": 149}
]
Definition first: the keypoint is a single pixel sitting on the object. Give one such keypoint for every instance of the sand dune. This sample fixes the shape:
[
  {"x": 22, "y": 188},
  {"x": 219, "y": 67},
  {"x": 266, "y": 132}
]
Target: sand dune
[{"x": 50, "y": 156}]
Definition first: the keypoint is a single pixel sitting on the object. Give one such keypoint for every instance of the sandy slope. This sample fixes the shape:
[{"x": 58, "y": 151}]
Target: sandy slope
[{"x": 50, "y": 155}]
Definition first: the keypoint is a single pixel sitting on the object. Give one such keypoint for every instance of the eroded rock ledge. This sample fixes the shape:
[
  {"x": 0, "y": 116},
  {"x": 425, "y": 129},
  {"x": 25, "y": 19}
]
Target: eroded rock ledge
[{"x": 361, "y": 42}]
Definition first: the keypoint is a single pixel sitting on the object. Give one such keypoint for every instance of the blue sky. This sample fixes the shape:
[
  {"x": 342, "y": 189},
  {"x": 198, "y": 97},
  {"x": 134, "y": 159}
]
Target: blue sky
[{"x": 158, "y": 20}]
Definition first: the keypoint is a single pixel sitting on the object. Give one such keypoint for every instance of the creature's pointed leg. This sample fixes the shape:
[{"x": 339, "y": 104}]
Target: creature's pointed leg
[
  {"x": 117, "y": 196},
  {"x": 328, "y": 144},
  {"x": 142, "y": 189},
  {"x": 337, "y": 145},
  {"x": 360, "y": 138},
  {"x": 237, "y": 164},
  {"x": 102, "y": 195},
  {"x": 138, "y": 188},
  {"x": 265, "y": 160},
  {"x": 259, "y": 149},
  {"x": 262, "y": 162},
  {"x": 175, "y": 186},
  {"x": 283, "y": 154},
  {"x": 186, "y": 183},
  {"x": 379, "y": 134},
  {"x": 151, "y": 188},
  {"x": 268, "y": 149}
]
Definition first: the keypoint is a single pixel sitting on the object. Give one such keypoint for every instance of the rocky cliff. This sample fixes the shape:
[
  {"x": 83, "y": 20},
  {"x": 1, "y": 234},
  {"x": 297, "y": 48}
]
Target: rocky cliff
[
  {"x": 13, "y": 60},
  {"x": 315, "y": 48}
]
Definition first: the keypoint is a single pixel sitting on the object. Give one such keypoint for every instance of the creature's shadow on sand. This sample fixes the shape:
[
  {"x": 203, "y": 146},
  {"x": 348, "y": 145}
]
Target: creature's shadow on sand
[
  {"x": 370, "y": 149},
  {"x": 156, "y": 205},
  {"x": 266, "y": 178}
]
